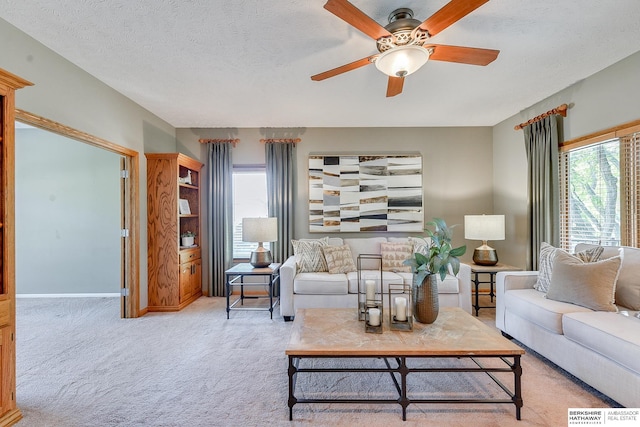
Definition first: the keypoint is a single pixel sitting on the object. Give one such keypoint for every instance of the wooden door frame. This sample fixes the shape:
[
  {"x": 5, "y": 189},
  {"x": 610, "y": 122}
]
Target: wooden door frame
[{"x": 130, "y": 205}]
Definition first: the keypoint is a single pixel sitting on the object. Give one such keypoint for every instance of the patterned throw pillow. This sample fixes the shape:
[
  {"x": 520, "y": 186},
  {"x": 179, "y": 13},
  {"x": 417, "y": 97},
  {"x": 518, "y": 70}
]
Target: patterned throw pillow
[
  {"x": 548, "y": 255},
  {"x": 393, "y": 256},
  {"x": 420, "y": 245},
  {"x": 545, "y": 266},
  {"x": 339, "y": 259},
  {"x": 309, "y": 256}
]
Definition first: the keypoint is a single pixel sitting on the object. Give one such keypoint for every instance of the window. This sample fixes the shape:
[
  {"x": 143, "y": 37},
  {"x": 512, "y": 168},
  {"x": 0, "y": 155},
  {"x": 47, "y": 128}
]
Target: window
[
  {"x": 599, "y": 204},
  {"x": 249, "y": 201}
]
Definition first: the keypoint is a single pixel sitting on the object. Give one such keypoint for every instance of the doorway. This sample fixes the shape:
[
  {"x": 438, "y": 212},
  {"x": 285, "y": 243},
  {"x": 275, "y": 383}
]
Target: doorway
[{"x": 127, "y": 253}]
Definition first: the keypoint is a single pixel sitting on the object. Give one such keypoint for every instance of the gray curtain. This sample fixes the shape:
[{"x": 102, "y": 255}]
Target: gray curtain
[
  {"x": 220, "y": 220},
  {"x": 541, "y": 143},
  {"x": 280, "y": 165}
]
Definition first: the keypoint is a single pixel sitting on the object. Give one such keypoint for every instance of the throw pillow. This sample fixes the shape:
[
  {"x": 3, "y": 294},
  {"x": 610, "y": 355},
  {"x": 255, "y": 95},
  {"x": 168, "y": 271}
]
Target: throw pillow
[
  {"x": 547, "y": 256},
  {"x": 628, "y": 285},
  {"x": 393, "y": 256},
  {"x": 420, "y": 245},
  {"x": 309, "y": 256},
  {"x": 590, "y": 284},
  {"x": 545, "y": 266},
  {"x": 339, "y": 259}
]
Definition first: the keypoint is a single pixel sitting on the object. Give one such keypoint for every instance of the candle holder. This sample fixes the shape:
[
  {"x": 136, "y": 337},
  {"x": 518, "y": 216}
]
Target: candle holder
[
  {"x": 400, "y": 307},
  {"x": 373, "y": 319},
  {"x": 369, "y": 284}
]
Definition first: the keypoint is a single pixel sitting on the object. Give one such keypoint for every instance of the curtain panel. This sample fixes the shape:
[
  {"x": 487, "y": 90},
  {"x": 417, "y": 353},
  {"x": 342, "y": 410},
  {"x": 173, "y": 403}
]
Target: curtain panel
[
  {"x": 281, "y": 170},
  {"x": 543, "y": 213},
  {"x": 220, "y": 219}
]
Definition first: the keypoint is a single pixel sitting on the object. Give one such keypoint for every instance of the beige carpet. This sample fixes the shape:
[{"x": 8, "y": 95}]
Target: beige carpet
[{"x": 79, "y": 364}]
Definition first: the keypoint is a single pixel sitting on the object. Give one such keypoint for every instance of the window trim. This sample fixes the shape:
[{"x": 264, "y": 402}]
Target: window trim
[{"x": 601, "y": 136}]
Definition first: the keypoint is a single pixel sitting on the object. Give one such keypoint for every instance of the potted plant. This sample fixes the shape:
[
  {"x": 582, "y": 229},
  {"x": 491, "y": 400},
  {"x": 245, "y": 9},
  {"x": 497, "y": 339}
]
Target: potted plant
[
  {"x": 427, "y": 263},
  {"x": 188, "y": 238}
]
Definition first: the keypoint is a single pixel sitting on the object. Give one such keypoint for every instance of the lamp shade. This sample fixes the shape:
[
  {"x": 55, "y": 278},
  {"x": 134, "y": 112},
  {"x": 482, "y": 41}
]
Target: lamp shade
[
  {"x": 259, "y": 229},
  {"x": 402, "y": 60},
  {"x": 484, "y": 227}
]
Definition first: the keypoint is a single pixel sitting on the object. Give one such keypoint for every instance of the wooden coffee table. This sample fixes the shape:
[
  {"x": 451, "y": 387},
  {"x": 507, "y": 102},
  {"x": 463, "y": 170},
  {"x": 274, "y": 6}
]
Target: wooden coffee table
[{"x": 337, "y": 333}]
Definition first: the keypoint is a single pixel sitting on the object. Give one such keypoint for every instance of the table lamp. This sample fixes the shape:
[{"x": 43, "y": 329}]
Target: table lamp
[
  {"x": 484, "y": 227},
  {"x": 260, "y": 230}
]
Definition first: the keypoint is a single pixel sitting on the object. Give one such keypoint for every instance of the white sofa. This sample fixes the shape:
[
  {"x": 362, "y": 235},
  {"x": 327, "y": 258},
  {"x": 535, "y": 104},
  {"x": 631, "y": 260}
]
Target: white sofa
[
  {"x": 323, "y": 289},
  {"x": 602, "y": 348}
]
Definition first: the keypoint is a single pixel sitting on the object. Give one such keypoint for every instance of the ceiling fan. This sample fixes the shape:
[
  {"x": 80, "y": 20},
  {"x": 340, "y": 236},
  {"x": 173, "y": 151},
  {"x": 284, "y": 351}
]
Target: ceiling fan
[{"x": 404, "y": 43}]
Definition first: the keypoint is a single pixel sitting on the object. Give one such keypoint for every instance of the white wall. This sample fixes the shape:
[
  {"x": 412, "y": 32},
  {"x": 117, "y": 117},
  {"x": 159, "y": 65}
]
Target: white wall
[
  {"x": 606, "y": 99},
  {"x": 68, "y": 95},
  {"x": 67, "y": 216}
]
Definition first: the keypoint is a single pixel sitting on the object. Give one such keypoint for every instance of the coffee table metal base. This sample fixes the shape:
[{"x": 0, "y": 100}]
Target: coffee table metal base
[{"x": 399, "y": 372}]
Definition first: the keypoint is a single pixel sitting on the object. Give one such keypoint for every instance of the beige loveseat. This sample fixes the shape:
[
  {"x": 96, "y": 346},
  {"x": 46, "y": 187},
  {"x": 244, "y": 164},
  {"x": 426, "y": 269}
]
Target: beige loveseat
[
  {"x": 602, "y": 348},
  {"x": 320, "y": 289}
]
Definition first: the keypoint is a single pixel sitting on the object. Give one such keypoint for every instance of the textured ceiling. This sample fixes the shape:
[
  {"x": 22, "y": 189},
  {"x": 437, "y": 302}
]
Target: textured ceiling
[{"x": 211, "y": 63}]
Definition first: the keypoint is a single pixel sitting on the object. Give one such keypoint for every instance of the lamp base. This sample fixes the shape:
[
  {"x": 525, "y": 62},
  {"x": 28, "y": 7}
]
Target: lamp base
[
  {"x": 261, "y": 258},
  {"x": 485, "y": 255}
]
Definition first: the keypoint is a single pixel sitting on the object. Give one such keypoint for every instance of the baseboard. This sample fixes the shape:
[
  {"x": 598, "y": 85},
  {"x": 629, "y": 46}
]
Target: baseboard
[{"x": 96, "y": 295}]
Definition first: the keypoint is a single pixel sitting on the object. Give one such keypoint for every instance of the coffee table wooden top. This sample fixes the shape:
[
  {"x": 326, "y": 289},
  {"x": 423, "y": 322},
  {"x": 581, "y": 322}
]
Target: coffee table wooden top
[{"x": 338, "y": 332}]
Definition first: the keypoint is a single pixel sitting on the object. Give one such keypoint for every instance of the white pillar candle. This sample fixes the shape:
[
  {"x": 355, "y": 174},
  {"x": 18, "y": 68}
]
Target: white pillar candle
[
  {"x": 401, "y": 309},
  {"x": 374, "y": 316},
  {"x": 370, "y": 286}
]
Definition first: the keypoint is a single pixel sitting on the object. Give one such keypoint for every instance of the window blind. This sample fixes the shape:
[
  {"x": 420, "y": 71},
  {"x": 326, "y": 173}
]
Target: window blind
[
  {"x": 590, "y": 179},
  {"x": 630, "y": 182},
  {"x": 599, "y": 203}
]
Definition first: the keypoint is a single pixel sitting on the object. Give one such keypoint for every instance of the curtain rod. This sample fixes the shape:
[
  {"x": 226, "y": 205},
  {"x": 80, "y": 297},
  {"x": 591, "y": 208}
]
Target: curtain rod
[
  {"x": 282, "y": 140},
  {"x": 234, "y": 142},
  {"x": 562, "y": 110}
]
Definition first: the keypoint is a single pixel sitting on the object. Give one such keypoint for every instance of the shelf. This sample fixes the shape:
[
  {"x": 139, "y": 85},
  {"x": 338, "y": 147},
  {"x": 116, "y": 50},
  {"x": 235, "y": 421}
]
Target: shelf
[
  {"x": 188, "y": 216},
  {"x": 193, "y": 187},
  {"x": 182, "y": 248}
]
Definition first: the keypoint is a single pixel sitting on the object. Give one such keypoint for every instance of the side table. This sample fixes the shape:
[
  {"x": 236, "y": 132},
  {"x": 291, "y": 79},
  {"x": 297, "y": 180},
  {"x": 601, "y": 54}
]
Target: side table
[
  {"x": 490, "y": 270},
  {"x": 235, "y": 277}
]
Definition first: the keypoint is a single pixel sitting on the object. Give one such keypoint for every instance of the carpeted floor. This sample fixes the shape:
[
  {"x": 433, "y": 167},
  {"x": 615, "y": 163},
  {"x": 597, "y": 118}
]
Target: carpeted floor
[{"x": 79, "y": 364}]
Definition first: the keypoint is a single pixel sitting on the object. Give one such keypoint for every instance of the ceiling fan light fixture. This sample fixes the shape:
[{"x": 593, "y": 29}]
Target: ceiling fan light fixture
[{"x": 402, "y": 60}]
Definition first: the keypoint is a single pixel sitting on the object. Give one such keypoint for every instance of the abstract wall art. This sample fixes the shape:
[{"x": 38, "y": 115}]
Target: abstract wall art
[{"x": 353, "y": 193}]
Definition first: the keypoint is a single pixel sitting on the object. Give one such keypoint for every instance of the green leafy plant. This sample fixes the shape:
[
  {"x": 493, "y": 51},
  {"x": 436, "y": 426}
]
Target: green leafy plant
[
  {"x": 188, "y": 234},
  {"x": 439, "y": 254}
]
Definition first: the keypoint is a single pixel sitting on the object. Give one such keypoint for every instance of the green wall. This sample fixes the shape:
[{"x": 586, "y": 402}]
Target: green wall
[
  {"x": 67, "y": 216},
  {"x": 604, "y": 100}
]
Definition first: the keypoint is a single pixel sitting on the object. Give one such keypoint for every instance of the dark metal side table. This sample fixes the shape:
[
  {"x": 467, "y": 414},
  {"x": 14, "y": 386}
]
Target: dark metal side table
[
  {"x": 235, "y": 276},
  {"x": 490, "y": 271}
]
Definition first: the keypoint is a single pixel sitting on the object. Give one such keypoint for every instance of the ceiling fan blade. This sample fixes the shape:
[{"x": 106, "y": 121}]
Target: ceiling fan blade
[
  {"x": 449, "y": 14},
  {"x": 461, "y": 54},
  {"x": 394, "y": 87},
  {"x": 344, "y": 68},
  {"x": 355, "y": 17}
]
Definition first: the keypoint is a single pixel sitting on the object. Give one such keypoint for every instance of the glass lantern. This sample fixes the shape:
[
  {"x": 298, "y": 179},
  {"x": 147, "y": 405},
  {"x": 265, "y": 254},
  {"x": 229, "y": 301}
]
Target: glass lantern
[
  {"x": 369, "y": 286},
  {"x": 400, "y": 307}
]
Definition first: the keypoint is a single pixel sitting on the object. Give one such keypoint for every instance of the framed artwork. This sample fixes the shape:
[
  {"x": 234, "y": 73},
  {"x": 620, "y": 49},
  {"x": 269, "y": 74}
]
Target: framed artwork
[
  {"x": 353, "y": 193},
  {"x": 183, "y": 204}
]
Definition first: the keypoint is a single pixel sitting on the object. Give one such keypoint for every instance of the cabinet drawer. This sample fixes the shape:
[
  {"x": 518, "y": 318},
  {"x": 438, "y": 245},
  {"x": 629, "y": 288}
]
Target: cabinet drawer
[{"x": 189, "y": 255}]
